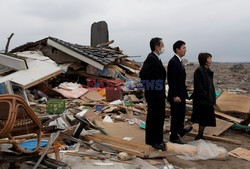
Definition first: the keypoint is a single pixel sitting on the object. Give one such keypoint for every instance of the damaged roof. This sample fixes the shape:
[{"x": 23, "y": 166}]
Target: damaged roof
[{"x": 95, "y": 56}]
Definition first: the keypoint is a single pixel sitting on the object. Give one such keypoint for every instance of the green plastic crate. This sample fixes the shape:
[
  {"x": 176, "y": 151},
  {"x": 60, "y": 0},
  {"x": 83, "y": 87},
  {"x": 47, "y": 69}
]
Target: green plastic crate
[{"x": 55, "y": 106}]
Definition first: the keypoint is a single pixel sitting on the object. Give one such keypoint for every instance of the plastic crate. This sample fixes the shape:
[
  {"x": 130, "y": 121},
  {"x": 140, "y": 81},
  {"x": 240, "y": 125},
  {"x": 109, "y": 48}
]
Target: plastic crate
[{"x": 55, "y": 106}]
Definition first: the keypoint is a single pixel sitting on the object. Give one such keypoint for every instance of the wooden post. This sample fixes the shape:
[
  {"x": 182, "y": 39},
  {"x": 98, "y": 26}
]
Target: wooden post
[
  {"x": 57, "y": 153},
  {"x": 8, "y": 43}
]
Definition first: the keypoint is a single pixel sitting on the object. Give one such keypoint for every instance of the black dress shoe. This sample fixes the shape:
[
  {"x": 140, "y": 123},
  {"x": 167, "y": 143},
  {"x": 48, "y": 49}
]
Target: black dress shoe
[
  {"x": 159, "y": 146},
  {"x": 177, "y": 141},
  {"x": 199, "y": 137},
  {"x": 186, "y": 130}
]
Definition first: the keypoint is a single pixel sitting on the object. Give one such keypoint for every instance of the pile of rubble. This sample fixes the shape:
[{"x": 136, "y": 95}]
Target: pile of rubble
[
  {"x": 230, "y": 77},
  {"x": 237, "y": 68},
  {"x": 84, "y": 104}
]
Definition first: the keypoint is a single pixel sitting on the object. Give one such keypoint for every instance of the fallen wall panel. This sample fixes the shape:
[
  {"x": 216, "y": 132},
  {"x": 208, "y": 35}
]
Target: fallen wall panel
[{"x": 38, "y": 72}]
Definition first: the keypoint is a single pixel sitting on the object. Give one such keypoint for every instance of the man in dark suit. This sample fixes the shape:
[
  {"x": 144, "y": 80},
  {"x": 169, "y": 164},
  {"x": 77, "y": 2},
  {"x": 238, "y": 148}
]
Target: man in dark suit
[
  {"x": 177, "y": 92},
  {"x": 153, "y": 77}
]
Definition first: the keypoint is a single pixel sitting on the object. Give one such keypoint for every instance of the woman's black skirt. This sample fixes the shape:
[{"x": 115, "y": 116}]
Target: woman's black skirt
[{"x": 203, "y": 115}]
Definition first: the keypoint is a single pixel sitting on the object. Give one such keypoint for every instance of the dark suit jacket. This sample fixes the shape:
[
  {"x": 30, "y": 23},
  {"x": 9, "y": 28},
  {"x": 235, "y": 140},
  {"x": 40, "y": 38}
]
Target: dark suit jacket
[
  {"x": 153, "y": 70},
  {"x": 176, "y": 76}
]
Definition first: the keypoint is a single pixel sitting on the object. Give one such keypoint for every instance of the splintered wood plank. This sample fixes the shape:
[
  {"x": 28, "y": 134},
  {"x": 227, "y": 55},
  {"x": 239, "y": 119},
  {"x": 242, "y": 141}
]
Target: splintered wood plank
[
  {"x": 222, "y": 139},
  {"x": 128, "y": 69},
  {"x": 130, "y": 64},
  {"x": 138, "y": 149},
  {"x": 221, "y": 126},
  {"x": 117, "y": 68},
  {"x": 228, "y": 102},
  {"x": 228, "y": 117},
  {"x": 91, "y": 115}
]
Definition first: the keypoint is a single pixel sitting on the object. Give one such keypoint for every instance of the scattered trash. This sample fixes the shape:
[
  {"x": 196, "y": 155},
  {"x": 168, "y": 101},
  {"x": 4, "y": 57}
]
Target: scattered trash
[
  {"x": 142, "y": 125},
  {"x": 125, "y": 156},
  {"x": 108, "y": 119},
  {"x": 32, "y": 144},
  {"x": 244, "y": 128},
  {"x": 99, "y": 107},
  {"x": 104, "y": 163},
  {"x": 127, "y": 138},
  {"x": 55, "y": 106}
]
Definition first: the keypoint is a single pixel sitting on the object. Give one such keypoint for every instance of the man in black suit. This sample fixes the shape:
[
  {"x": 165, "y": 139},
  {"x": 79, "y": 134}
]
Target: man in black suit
[
  {"x": 177, "y": 92},
  {"x": 153, "y": 77}
]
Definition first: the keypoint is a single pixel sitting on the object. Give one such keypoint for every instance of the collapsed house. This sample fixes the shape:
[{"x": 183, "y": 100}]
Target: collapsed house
[{"x": 47, "y": 58}]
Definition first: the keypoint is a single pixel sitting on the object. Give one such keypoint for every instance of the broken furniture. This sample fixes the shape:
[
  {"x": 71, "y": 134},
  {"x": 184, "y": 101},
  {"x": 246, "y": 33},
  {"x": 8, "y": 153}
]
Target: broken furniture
[{"x": 18, "y": 119}]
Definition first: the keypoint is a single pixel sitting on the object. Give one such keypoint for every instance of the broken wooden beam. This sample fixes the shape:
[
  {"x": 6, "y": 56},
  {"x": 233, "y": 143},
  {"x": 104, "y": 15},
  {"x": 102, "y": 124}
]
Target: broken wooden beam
[
  {"x": 216, "y": 138},
  {"x": 140, "y": 150},
  {"x": 228, "y": 117},
  {"x": 8, "y": 43}
]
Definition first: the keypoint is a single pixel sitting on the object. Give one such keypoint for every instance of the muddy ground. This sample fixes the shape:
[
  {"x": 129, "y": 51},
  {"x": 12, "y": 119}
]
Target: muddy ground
[{"x": 229, "y": 77}]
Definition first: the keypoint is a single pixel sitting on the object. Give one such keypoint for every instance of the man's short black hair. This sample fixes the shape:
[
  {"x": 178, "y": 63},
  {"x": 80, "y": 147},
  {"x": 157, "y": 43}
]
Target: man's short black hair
[
  {"x": 202, "y": 57},
  {"x": 178, "y": 44},
  {"x": 155, "y": 42}
]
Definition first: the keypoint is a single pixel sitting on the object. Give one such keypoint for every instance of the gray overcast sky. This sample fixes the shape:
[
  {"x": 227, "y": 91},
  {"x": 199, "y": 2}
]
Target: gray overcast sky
[{"x": 221, "y": 27}]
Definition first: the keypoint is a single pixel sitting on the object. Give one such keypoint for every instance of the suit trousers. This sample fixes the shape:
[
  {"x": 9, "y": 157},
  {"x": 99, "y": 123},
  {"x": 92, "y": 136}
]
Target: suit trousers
[
  {"x": 178, "y": 111},
  {"x": 155, "y": 119}
]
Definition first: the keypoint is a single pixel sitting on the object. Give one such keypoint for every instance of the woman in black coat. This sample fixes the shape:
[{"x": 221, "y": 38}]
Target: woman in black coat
[{"x": 204, "y": 98}]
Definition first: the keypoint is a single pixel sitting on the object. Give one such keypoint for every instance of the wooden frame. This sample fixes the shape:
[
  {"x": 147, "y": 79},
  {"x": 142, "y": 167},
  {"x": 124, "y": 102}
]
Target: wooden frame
[{"x": 17, "y": 118}]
